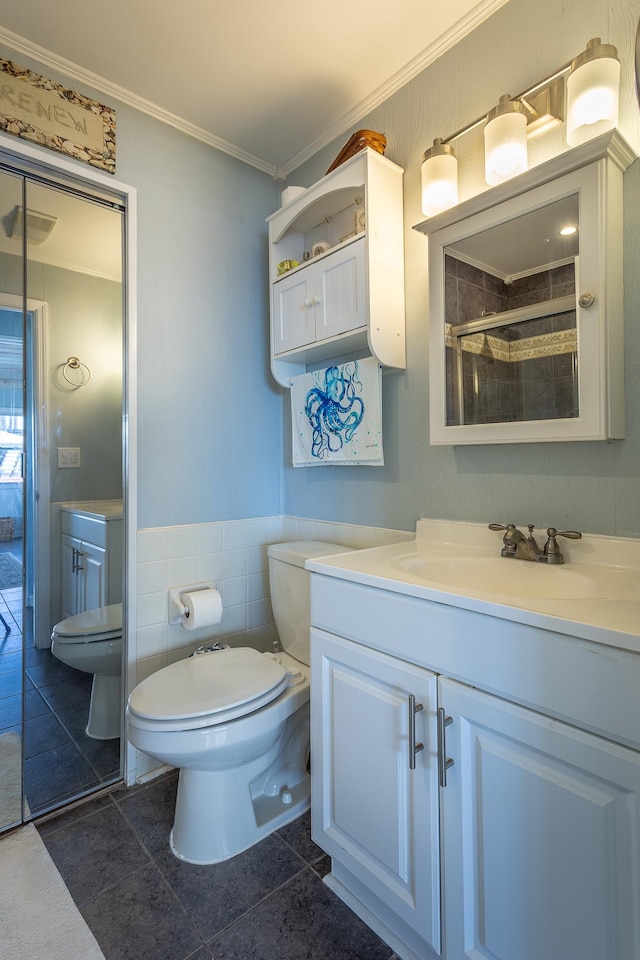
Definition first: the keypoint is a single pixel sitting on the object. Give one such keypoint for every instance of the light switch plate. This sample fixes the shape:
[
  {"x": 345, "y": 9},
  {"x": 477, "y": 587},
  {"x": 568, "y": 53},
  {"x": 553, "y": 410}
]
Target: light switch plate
[{"x": 69, "y": 457}]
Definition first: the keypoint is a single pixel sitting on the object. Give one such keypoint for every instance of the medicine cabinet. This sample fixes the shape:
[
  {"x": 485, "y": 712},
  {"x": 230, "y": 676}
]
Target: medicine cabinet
[{"x": 526, "y": 305}]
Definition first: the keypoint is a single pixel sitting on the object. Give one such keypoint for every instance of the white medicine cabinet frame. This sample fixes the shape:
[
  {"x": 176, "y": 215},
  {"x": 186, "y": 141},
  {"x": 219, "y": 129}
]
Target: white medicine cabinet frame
[
  {"x": 510, "y": 364},
  {"x": 348, "y": 300}
]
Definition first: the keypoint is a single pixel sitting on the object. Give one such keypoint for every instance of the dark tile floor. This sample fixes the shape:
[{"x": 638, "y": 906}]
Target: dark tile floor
[{"x": 141, "y": 903}]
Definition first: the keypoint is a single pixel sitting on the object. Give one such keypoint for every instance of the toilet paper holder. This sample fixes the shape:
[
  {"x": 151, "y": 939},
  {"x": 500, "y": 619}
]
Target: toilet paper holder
[{"x": 176, "y": 606}]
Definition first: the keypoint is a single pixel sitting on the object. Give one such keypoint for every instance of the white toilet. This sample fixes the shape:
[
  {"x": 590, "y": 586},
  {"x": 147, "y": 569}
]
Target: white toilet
[
  {"x": 92, "y": 642},
  {"x": 236, "y": 724}
]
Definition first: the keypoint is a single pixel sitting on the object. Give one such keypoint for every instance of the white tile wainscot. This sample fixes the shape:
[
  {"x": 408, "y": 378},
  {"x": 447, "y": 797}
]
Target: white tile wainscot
[{"x": 502, "y": 818}]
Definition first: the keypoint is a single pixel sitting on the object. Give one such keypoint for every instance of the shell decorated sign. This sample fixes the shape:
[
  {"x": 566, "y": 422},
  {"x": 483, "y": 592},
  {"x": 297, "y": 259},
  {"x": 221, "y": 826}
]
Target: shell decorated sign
[{"x": 44, "y": 112}]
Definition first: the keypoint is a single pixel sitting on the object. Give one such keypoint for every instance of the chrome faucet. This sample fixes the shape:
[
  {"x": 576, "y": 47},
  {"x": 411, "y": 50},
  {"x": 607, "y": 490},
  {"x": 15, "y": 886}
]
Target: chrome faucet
[{"x": 516, "y": 545}]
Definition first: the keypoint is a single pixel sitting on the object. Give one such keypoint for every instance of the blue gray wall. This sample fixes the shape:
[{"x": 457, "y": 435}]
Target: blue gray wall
[
  {"x": 589, "y": 486},
  {"x": 213, "y": 434}
]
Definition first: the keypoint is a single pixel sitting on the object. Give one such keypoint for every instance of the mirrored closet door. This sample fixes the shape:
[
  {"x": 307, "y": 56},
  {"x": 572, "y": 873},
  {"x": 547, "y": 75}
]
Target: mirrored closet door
[{"x": 61, "y": 490}]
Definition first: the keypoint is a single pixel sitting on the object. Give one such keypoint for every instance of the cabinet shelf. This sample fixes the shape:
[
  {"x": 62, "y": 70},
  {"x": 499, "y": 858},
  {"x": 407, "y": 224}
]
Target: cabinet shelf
[{"x": 351, "y": 298}]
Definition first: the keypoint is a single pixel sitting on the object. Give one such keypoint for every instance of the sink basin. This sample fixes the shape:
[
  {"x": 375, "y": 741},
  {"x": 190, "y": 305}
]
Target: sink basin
[{"x": 518, "y": 578}]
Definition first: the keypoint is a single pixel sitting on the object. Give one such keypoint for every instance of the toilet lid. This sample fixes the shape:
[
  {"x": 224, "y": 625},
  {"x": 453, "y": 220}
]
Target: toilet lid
[
  {"x": 100, "y": 623},
  {"x": 217, "y": 686}
]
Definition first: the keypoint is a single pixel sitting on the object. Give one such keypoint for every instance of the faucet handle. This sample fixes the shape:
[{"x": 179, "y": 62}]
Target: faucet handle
[
  {"x": 551, "y": 548},
  {"x": 501, "y": 526},
  {"x": 571, "y": 534}
]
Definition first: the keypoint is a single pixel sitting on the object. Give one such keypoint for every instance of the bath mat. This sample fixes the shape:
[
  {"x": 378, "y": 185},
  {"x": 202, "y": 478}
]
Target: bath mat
[
  {"x": 38, "y": 918},
  {"x": 10, "y": 778},
  {"x": 10, "y": 571}
]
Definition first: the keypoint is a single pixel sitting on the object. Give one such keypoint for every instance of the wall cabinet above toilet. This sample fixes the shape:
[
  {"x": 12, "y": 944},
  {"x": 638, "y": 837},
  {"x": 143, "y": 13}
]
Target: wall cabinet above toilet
[
  {"x": 91, "y": 556},
  {"x": 344, "y": 293}
]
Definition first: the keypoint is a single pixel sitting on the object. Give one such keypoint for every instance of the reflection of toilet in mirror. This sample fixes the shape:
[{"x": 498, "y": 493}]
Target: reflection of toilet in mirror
[
  {"x": 92, "y": 642},
  {"x": 236, "y": 724}
]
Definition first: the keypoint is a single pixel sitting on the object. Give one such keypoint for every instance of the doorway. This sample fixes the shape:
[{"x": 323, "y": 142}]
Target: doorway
[{"x": 62, "y": 453}]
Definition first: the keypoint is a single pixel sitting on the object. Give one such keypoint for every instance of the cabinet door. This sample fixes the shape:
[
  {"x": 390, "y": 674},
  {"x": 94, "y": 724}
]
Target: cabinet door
[
  {"x": 339, "y": 292},
  {"x": 69, "y": 597},
  {"x": 541, "y": 836},
  {"x": 92, "y": 576},
  {"x": 372, "y": 813},
  {"x": 293, "y": 311}
]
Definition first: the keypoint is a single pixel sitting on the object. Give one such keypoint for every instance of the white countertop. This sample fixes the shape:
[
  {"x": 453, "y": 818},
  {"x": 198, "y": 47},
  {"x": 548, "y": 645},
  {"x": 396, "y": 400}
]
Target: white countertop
[
  {"x": 611, "y": 617},
  {"x": 99, "y": 509}
]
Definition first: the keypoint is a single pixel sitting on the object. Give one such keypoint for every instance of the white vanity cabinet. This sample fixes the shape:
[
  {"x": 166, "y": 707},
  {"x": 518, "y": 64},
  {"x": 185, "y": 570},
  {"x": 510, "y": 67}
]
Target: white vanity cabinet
[
  {"x": 92, "y": 548},
  {"x": 523, "y": 811},
  {"x": 349, "y": 299},
  {"x": 540, "y": 832},
  {"x": 376, "y": 806}
]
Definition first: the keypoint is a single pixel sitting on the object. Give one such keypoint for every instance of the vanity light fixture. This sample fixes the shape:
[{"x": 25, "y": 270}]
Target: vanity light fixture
[
  {"x": 592, "y": 92},
  {"x": 505, "y": 141},
  {"x": 439, "y": 175},
  {"x": 592, "y": 109}
]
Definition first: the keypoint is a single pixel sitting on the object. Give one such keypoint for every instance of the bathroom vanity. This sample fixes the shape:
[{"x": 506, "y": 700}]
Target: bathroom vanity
[
  {"x": 476, "y": 744},
  {"x": 92, "y": 551}
]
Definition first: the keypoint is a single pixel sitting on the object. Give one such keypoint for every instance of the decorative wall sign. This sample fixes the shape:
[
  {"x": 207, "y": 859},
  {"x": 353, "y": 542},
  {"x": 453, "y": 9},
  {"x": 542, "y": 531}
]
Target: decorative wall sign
[{"x": 44, "y": 112}]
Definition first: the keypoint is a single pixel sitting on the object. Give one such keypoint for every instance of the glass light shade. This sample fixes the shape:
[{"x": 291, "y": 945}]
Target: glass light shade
[
  {"x": 592, "y": 93},
  {"x": 439, "y": 174},
  {"x": 505, "y": 142}
]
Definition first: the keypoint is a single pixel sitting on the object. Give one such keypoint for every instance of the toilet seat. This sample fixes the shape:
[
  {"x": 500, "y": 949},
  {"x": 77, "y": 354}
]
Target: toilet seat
[
  {"x": 207, "y": 690},
  {"x": 102, "y": 623}
]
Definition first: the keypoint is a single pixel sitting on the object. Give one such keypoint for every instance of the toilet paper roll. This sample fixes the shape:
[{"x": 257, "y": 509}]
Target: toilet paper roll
[{"x": 202, "y": 608}]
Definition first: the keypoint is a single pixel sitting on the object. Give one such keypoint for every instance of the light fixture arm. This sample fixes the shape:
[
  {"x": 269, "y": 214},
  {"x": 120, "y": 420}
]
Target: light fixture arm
[{"x": 524, "y": 95}]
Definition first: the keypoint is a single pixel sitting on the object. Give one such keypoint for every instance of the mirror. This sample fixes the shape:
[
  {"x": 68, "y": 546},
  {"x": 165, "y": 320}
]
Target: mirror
[
  {"x": 510, "y": 319},
  {"x": 526, "y": 305},
  {"x": 61, "y": 483}
]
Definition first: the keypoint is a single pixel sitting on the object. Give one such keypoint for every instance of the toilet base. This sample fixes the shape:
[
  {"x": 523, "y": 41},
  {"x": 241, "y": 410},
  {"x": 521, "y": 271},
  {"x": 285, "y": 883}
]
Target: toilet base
[
  {"x": 220, "y": 813},
  {"x": 105, "y": 709}
]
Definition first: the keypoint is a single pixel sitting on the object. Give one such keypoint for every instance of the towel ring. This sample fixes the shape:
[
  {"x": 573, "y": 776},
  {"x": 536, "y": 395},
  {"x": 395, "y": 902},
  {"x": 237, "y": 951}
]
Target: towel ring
[{"x": 74, "y": 364}]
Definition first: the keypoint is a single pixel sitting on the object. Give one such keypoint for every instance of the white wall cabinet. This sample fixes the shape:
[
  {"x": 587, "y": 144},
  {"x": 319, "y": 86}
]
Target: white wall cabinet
[
  {"x": 534, "y": 841},
  {"x": 324, "y": 300},
  {"x": 348, "y": 300},
  {"x": 373, "y": 730},
  {"x": 91, "y": 558}
]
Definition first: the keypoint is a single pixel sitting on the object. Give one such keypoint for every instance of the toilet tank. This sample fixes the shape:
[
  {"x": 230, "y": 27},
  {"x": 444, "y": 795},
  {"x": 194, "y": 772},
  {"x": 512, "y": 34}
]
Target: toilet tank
[{"x": 289, "y": 588}]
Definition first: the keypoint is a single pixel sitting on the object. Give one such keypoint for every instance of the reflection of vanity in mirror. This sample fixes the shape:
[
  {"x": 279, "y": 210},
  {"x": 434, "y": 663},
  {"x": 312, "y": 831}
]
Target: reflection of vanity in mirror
[{"x": 526, "y": 305}]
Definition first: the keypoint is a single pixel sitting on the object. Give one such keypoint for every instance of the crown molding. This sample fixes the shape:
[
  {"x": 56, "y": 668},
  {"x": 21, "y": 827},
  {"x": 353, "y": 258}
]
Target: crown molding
[
  {"x": 460, "y": 29},
  {"x": 103, "y": 86}
]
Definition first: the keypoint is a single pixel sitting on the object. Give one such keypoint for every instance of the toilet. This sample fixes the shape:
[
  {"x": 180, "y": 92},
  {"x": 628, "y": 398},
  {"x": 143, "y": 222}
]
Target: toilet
[
  {"x": 92, "y": 642},
  {"x": 236, "y": 724}
]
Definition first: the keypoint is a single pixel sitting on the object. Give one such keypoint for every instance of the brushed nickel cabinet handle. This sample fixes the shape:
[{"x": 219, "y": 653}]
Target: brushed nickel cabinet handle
[
  {"x": 413, "y": 746},
  {"x": 444, "y": 762}
]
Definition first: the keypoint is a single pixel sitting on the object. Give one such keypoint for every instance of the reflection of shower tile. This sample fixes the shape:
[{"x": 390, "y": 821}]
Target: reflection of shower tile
[
  {"x": 539, "y": 369},
  {"x": 539, "y": 399},
  {"x": 470, "y": 301},
  {"x": 566, "y": 399}
]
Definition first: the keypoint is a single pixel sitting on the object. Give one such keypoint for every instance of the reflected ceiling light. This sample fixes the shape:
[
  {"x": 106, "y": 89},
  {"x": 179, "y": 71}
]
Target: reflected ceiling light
[
  {"x": 568, "y": 231},
  {"x": 439, "y": 175},
  {"x": 39, "y": 225},
  {"x": 505, "y": 141},
  {"x": 592, "y": 92}
]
